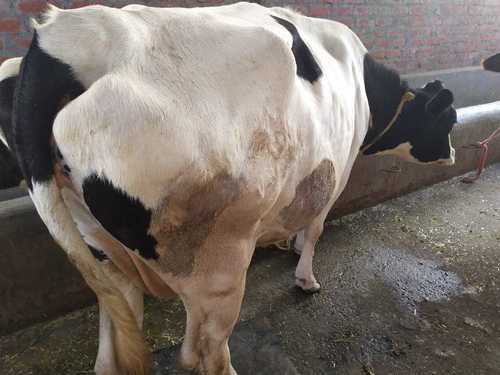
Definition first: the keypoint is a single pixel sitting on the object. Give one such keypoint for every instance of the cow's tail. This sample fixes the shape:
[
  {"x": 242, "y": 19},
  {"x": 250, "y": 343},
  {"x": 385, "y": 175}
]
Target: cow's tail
[{"x": 45, "y": 83}]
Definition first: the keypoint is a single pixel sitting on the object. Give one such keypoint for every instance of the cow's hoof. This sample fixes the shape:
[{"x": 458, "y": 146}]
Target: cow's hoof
[
  {"x": 232, "y": 371},
  {"x": 308, "y": 286},
  {"x": 188, "y": 360}
]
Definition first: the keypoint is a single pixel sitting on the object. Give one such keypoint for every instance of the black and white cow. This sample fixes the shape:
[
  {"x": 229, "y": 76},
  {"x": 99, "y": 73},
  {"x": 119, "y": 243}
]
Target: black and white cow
[
  {"x": 492, "y": 63},
  {"x": 160, "y": 146}
]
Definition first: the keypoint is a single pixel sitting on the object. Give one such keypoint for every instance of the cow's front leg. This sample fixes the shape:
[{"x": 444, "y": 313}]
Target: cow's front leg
[
  {"x": 299, "y": 242},
  {"x": 304, "y": 275}
]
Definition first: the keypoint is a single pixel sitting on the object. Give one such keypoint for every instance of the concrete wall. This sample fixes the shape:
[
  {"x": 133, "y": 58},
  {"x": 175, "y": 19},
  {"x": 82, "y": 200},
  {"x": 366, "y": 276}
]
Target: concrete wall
[
  {"x": 37, "y": 282},
  {"x": 412, "y": 35},
  {"x": 470, "y": 86}
]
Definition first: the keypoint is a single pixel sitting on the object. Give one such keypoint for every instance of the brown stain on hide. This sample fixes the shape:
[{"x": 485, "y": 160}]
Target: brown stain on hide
[
  {"x": 276, "y": 144},
  {"x": 311, "y": 196},
  {"x": 186, "y": 220}
]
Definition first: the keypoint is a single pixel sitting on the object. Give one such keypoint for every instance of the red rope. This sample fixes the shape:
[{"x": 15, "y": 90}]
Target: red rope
[{"x": 483, "y": 146}]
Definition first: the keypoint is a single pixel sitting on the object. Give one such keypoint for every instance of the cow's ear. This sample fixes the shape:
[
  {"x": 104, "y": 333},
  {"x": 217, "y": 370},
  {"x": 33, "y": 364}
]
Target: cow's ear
[
  {"x": 434, "y": 86},
  {"x": 492, "y": 63},
  {"x": 440, "y": 102}
]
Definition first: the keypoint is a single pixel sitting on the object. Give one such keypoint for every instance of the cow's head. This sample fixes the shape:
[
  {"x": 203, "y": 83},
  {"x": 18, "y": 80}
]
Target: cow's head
[
  {"x": 492, "y": 63},
  {"x": 414, "y": 124}
]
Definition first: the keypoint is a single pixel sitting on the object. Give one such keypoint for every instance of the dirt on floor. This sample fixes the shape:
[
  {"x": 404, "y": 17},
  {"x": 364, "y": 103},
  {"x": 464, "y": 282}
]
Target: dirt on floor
[{"x": 408, "y": 287}]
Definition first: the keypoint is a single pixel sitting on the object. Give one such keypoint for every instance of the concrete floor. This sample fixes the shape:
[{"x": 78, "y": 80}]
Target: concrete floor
[{"x": 409, "y": 287}]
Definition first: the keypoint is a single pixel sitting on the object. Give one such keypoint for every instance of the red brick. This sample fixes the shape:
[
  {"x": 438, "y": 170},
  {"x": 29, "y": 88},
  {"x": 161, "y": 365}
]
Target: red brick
[
  {"x": 319, "y": 11},
  {"x": 417, "y": 10},
  {"x": 382, "y": 43},
  {"x": 10, "y": 25},
  {"x": 32, "y": 6},
  {"x": 399, "y": 42},
  {"x": 23, "y": 42},
  {"x": 393, "y": 53},
  {"x": 83, "y": 3},
  {"x": 343, "y": 11}
]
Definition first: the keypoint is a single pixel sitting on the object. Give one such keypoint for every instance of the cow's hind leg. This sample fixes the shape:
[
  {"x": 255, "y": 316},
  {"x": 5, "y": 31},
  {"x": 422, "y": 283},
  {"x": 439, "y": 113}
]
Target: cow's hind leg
[
  {"x": 304, "y": 275},
  {"x": 105, "y": 363},
  {"x": 211, "y": 316},
  {"x": 213, "y": 303},
  {"x": 122, "y": 349}
]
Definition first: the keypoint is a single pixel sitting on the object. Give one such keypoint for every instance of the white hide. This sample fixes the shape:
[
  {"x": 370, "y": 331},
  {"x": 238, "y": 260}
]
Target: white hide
[
  {"x": 184, "y": 91},
  {"x": 3, "y": 139},
  {"x": 9, "y": 68},
  {"x": 403, "y": 151}
]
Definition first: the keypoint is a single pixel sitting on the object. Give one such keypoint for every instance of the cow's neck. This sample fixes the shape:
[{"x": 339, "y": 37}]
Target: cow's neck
[{"x": 384, "y": 90}]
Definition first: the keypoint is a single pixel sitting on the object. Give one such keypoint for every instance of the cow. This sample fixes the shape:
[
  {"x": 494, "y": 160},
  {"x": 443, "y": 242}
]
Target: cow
[
  {"x": 160, "y": 146},
  {"x": 492, "y": 63}
]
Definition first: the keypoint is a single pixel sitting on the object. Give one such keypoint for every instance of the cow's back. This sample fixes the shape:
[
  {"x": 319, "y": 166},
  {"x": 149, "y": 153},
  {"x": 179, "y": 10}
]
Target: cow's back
[{"x": 197, "y": 94}]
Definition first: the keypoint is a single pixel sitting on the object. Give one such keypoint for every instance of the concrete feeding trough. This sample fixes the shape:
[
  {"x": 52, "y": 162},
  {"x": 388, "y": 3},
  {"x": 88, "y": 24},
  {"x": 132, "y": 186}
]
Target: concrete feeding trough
[{"x": 37, "y": 282}]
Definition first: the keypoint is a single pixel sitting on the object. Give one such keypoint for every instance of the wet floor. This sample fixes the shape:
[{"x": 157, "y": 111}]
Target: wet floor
[{"x": 408, "y": 287}]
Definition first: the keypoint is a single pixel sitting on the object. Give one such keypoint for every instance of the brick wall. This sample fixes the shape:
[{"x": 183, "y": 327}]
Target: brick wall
[{"x": 411, "y": 35}]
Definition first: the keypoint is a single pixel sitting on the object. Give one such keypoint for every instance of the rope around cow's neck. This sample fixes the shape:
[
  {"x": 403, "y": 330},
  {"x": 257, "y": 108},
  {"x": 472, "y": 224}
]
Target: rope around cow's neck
[
  {"x": 483, "y": 146},
  {"x": 407, "y": 97}
]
